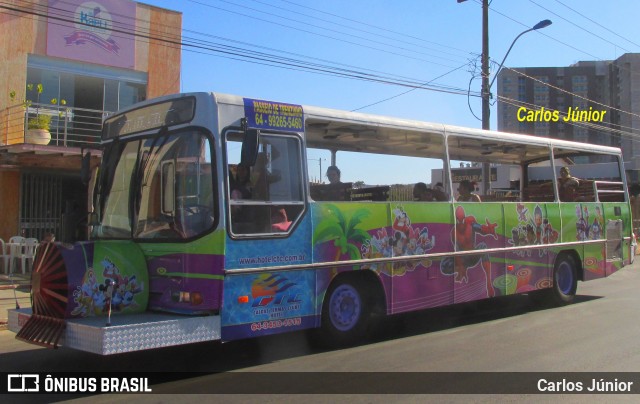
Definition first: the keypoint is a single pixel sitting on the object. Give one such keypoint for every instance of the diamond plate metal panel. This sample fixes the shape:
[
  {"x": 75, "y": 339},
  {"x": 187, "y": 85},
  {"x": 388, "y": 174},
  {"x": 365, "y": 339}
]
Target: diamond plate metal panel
[{"x": 130, "y": 333}]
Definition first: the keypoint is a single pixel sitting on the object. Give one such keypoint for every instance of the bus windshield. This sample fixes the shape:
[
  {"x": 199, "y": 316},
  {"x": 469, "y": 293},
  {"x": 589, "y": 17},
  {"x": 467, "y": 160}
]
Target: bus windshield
[{"x": 158, "y": 187}]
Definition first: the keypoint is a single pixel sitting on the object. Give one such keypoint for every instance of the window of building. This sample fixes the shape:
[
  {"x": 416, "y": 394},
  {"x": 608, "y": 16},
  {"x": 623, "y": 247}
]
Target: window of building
[{"x": 96, "y": 88}]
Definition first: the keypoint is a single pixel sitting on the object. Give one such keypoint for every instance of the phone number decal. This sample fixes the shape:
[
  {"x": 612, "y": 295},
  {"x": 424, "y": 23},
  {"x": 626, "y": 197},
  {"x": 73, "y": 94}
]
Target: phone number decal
[
  {"x": 271, "y": 324},
  {"x": 273, "y": 115}
]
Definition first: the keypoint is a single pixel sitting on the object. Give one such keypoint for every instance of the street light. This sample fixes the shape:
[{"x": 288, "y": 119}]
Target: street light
[{"x": 540, "y": 25}]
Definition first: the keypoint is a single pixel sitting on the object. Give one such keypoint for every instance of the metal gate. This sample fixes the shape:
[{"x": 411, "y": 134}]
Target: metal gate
[{"x": 40, "y": 204}]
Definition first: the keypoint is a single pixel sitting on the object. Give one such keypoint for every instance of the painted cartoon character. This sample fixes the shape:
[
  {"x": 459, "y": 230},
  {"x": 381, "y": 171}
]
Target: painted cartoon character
[
  {"x": 412, "y": 245},
  {"x": 522, "y": 212},
  {"x": 530, "y": 235},
  {"x": 596, "y": 226},
  {"x": 99, "y": 300},
  {"x": 84, "y": 294},
  {"x": 537, "y": 224},
  {"x": 401, "y": 223},
  {"x": 399, "y": 244},
  {"x": 112, "y": 272},
  {"x": 550, "y": 235},
  {"x": 466, "y": 230},
  {"x": 424, "y": 242},
  {"x": 582, "y": 225},
  {"x": 381, "y": 243}
]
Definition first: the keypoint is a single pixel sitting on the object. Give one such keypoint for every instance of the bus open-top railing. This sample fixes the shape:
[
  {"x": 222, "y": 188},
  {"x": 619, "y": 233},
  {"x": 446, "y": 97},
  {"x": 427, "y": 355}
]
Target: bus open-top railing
[{"x": 203, "y": 227}]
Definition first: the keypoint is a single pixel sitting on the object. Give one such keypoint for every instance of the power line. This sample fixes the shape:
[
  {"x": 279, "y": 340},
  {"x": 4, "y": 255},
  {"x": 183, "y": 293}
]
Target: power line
[
  {"x": 559, "y": 41},
  {"x": 408, "y": 91},
  {"x": 578, "y": 26},
  {"x": 265, "y": 58},
  {"x": 380, "y": 28},
  {"x": 369, "y": 32},
  {"x": 328, "y": 36},
  {"x": 539, "y": 32},
  {"x": 597, "y": 23}
]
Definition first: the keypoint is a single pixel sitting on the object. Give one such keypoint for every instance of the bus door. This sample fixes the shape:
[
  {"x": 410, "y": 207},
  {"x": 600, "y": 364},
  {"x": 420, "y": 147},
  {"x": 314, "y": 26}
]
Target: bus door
[{"x": 615, "y": 221}]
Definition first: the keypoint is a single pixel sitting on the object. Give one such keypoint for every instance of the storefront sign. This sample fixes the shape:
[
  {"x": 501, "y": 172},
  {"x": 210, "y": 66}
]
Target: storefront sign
[{"x": 98, "y": 34}]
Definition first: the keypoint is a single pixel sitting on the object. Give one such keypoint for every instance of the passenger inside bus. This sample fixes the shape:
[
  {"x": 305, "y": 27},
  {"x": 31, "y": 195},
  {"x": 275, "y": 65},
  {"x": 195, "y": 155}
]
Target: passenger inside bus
[
  {"x": 422, "y": 193},
  {"x": 439, "y": 193},
  {"x": 465, "y": 192},
  {"x": 279, "y": 220},
  {"x": 567, "y": 185},
  {"x": 240, "y": 184},
  {"x": 335, "y": 190},
  {"x": 333, "y": 174}
]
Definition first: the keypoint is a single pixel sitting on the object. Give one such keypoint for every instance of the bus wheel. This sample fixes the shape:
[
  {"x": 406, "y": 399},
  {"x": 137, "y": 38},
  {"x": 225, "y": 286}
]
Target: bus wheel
[
  {"x": 345, "y": 314},
  {"x": 565, "y": 284},
  {"x": 565, "y": 280}
]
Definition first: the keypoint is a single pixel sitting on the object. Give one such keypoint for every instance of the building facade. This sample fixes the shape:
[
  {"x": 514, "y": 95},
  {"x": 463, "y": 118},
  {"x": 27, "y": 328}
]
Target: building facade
[
  {"x": 594, "y": 102},
  {"x": 72, "y": 63}
]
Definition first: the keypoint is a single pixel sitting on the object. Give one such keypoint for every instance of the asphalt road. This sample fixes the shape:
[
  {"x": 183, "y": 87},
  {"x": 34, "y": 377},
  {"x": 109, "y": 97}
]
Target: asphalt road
[{"x": 599, "y": 333}]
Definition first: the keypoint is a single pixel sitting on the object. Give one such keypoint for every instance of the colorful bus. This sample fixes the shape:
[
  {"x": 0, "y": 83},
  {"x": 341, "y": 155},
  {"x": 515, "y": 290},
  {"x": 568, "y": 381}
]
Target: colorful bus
[{"x": 204, "y": 226}]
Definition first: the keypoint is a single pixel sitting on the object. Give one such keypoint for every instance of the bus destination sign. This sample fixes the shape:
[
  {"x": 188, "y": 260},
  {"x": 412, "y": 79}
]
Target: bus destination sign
[
  {"x": 150, "y": 117},
  {"x": 273, "y": 115}
]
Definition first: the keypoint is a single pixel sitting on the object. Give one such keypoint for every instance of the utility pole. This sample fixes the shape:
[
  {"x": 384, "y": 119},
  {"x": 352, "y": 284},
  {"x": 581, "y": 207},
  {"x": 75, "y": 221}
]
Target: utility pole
[{"x": 486, "y": 91}]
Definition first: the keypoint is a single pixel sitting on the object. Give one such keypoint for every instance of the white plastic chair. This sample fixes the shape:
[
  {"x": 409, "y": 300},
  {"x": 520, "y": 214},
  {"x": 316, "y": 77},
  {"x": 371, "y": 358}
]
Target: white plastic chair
[
  {"x": 30, "y": 246},
  {"x": 15, "y": 250},
  {"x": 4, "y": 256}
]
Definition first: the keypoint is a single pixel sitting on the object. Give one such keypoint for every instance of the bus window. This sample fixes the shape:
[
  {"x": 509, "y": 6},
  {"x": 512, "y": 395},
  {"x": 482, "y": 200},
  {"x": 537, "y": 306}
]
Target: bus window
[
  {"x": 472, "y": 156},
  {"x": 176, "y": 198},
  {"x": 538, "y": 185},
  {"x": 266, "y": 197},
  {"x": 377, "y": 164},
  {"x": 593, "y": 177}
]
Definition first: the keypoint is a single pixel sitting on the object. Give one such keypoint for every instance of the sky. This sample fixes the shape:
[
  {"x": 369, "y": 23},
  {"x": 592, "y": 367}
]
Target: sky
[{"x": 420, "y": 41}]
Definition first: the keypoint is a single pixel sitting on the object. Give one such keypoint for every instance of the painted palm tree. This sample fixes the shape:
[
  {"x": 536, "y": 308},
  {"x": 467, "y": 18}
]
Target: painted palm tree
[{"x": 342, "y": 230}]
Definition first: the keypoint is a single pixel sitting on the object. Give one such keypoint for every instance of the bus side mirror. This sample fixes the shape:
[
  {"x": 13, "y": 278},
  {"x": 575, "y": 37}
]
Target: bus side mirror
[
  {"x": 85, "y": 170},
  {"x": 250, "y": 144}
]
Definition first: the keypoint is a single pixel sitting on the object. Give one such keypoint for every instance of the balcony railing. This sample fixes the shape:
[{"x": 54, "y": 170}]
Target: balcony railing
[{"x": 70, "y": 127}]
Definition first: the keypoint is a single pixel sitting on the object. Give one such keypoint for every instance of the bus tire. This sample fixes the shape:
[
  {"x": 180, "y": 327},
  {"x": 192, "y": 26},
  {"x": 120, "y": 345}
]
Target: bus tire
[
  {"x": 565, "y": 280},
  {"x": 565, "y": 283},
  {"x": 345, "y": 314}
]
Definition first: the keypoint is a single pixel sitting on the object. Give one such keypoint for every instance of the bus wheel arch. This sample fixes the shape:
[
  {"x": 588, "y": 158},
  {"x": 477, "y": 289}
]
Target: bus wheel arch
[{"x": 347, "y": 308}]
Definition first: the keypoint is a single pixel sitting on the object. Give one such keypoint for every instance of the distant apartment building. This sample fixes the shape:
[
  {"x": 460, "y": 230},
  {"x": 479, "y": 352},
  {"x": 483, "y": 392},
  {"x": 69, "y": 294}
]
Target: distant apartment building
[{"x": 582, "y": 102}]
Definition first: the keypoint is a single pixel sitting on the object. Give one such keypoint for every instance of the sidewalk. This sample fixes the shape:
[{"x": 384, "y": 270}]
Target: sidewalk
[{"x": 14, "y": 288}]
